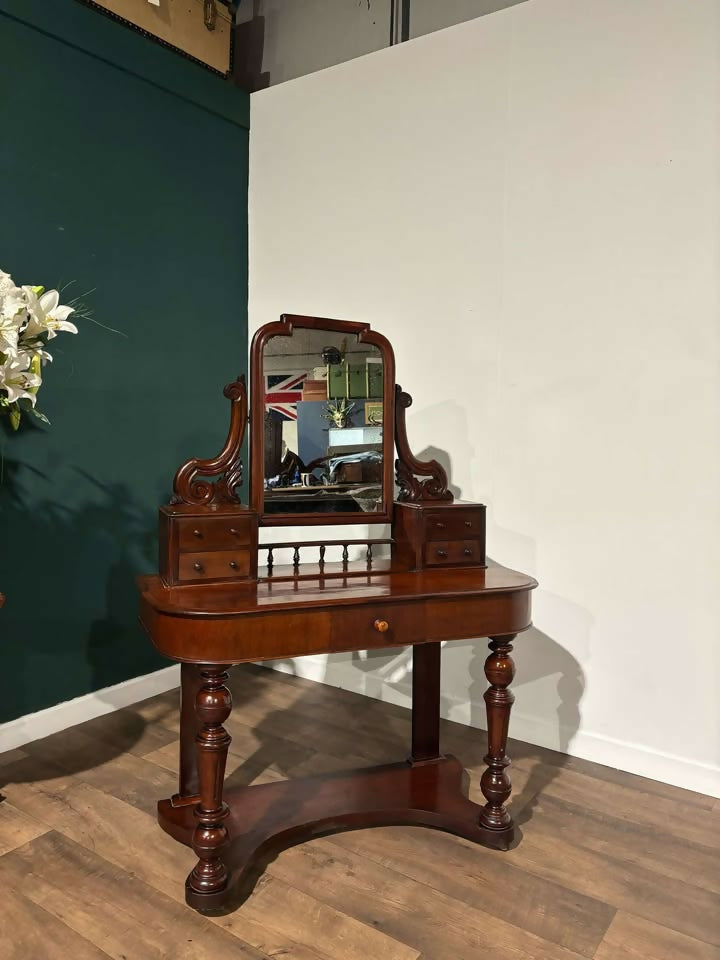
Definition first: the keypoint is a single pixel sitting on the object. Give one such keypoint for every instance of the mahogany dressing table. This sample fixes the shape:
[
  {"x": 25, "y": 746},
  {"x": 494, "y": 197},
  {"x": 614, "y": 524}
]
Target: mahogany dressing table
[{"x": 221, "y": 599}]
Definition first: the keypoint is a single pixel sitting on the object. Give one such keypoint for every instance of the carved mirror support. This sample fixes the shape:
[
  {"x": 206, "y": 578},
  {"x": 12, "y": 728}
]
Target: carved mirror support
[{"x": 226, "y": 466}]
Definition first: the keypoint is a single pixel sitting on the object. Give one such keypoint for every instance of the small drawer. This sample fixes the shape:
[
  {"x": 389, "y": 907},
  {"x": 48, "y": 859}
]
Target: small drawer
[
  {"x": 213, "y": 533},
  {"x": 385, "y": 625},
  {"x": 444, "y": 552},
  {"x": 454, "y": 524},
  {"x": 220, "y": 565}
]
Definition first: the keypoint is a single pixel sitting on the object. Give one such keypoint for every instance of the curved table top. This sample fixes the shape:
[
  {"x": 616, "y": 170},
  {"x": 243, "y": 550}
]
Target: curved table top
[{"x": 266, "y": 596}]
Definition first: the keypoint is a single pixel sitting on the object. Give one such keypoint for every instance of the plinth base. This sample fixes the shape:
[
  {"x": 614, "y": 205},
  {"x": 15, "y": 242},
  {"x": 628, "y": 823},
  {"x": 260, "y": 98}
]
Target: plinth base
[{"x": 266, "y": 818}]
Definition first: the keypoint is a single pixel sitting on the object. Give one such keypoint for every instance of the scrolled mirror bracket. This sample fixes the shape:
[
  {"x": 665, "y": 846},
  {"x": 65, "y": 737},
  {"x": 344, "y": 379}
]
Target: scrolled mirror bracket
[
  {"x": 408, "y": 467},
  {"x": 226, "y": 466}
]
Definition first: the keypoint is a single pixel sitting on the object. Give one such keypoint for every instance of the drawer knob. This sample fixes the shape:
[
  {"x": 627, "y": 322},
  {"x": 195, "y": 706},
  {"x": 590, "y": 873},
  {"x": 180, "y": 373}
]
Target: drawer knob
[
  {"x": 233, "y": 565},
  {"x": 440, "y": 525},
  {"x": 197, "y": 533},
  {"x": 234, "y": 532},
  {"x": 382, "y": 626},
  {"x": 468, "y": 523},
  {"x": 442, "y": 553},
  {"x": 198, "y": 566},
  {"x": 468, "y": 552}
]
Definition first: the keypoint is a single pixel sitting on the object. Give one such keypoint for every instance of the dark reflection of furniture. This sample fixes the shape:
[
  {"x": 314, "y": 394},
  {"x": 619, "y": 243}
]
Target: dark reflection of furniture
[
  {"x": 272, "y": 444},
  {"x": 310, "y": 500},
  {"x": 214, "y": 604}
]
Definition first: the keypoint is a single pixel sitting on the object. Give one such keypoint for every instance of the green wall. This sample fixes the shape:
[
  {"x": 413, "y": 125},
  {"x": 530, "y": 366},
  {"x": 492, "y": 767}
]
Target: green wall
[{"x": 123, "y": 169}]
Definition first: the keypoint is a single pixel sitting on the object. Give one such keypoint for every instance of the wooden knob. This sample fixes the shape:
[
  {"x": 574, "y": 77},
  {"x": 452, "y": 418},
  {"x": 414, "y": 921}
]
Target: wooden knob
[
  {"x": 198, "y": 566},
  {"x": 442, "y": 553},
  {"x": 234, "y": 532},
  {"x": 467, "y": 551},
  {"x": 440, "y": 525},
  {"x": 233, "y": 564},
  {"x": 197, "y": 533},
  {"x": 382, "y": 626},
  {"x": 468, "y": 523}
]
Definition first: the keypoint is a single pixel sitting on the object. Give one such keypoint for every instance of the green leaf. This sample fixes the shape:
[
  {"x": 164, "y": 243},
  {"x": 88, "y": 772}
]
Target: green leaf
[
  {"x": 15, "y": 416},
  {"x": 39, "y": 416}
]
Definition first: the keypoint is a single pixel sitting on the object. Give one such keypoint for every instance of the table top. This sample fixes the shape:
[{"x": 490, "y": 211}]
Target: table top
[{"x": 266, "y": 596}]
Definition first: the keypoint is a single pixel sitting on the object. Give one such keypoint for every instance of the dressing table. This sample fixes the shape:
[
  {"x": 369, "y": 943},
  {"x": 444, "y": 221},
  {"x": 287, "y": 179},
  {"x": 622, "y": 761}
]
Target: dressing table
[{"x": 328, "y": 444}]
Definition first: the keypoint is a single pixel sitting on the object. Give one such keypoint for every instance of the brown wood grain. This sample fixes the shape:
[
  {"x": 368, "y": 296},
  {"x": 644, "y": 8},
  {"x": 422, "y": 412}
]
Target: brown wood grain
[
  {"x": 482, "y": 880},
  {"x": 632, "y": 938},
  {"x": 27, "y": 930},
  {"x": 17, "y": 828},
  {"x": 396, "y": 903},
  {"x": 109, "y": 907}
]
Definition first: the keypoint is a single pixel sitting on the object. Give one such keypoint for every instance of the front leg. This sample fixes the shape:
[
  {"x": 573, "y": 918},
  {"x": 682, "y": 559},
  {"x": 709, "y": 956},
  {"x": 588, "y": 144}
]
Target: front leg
[
  {"x": 212, "y": 708},
  {"x": 495, "y": 783},
  {"x": 191, "y": 681}
]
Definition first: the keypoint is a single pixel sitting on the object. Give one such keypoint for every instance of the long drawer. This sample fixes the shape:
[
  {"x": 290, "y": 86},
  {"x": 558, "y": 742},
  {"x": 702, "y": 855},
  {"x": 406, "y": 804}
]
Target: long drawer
[{"x": 378, "y": 625}]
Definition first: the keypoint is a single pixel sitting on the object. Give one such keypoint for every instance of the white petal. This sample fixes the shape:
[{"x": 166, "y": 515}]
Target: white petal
[
  {"x": 62, "y": 313},
  {"x": 64, "y": 325},
  {"x": 49, "y": 300}
]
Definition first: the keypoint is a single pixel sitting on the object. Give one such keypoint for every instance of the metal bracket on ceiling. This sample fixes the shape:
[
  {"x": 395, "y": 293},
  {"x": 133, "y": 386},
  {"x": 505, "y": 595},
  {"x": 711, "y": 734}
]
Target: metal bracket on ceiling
[{"x": 399, "y": 21}]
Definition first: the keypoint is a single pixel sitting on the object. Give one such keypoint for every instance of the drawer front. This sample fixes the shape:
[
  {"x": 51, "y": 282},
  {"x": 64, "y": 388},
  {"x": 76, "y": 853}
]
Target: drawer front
[
  {"x": 444, "y": 552},
  {"x": 455, "y": 525},
  {"x": 213, "y": 533},
  {"x": 382, "y": 625},
  {"x": 219, "y": 565}
]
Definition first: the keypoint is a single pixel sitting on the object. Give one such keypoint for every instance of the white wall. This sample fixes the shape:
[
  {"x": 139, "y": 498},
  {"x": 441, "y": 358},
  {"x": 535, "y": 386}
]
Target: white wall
[{"x": 527, "y": 205}]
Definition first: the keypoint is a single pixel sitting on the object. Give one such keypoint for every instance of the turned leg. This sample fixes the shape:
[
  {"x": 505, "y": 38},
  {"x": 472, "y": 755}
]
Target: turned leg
[
  {"x": 426, "y": 702},
  {"x": 212, "y": 707},
  {"x": 495, "y": 783},
  {"x": 190, "y": 683}
]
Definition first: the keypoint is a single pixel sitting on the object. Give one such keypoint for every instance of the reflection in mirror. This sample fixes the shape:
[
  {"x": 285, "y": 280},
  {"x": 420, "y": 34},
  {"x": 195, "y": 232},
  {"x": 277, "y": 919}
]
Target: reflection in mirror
[{"x": 323, "y": 423}]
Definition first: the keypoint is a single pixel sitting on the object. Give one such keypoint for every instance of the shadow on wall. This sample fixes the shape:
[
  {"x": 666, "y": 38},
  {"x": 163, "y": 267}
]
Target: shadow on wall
[
  {"x": 443, "y": 458},
  {"x": 537, "y": 657},
  {"x": 84, "y": 609}
]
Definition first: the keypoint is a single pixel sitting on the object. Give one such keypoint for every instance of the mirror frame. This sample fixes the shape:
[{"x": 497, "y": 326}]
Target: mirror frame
[{"x": 284, "y": 328}]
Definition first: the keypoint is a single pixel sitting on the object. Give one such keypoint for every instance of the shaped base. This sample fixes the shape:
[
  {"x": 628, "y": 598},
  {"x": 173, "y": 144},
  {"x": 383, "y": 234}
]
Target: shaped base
[{"x": 266, "y": 818}]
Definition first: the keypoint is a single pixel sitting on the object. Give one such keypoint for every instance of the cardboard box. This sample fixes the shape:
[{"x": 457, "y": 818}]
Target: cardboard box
[
  {"x": 181, "y": 24},
  {"x": 315, "y": 390}
]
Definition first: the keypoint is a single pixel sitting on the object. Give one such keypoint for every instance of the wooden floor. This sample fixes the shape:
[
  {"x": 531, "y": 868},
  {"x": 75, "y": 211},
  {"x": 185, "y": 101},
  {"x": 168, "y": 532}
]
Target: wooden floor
[{"x": 608, "y": 866}]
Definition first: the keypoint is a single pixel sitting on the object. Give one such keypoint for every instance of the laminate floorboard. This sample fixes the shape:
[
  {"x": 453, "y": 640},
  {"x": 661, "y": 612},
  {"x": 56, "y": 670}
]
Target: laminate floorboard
[{"x": 609, "y": 866}]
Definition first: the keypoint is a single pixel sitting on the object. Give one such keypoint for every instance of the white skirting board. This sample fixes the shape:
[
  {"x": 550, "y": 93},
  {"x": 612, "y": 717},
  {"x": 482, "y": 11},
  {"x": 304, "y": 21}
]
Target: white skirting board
[
  {"x": 630, "y": 757},
  {"x": 35, "y": 726}
]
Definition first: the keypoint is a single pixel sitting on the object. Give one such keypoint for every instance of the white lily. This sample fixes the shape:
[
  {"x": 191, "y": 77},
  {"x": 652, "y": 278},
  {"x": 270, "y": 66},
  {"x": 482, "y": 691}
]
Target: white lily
[
  {"x": 6, "y": 282},
  {"x": 29, "y": 317},
  {"x": 9, "y": 332},
  {"x": 47, "y": 314},
  {"x": 18, "y": 379},
  {"x": 12, "y": 314}
]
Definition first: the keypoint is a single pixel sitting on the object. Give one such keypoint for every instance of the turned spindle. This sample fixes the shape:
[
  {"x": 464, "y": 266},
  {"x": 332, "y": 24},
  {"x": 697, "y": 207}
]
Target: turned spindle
[
  {"x": 212, "y": 708},
  {"x": 495, "y": 782}
]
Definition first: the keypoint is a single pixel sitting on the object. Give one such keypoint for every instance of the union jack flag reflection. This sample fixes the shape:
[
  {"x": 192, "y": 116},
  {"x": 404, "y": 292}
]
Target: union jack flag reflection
[{"x": 282, "y": 392}]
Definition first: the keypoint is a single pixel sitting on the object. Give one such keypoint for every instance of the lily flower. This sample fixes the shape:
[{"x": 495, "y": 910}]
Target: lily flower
[
  {"x": 18, "y": 379},
  {"x": 47, "y": 314}
]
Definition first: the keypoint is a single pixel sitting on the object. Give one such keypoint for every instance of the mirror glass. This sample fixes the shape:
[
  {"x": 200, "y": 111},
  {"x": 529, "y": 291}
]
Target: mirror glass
[{"x": 323, "y": 423}]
